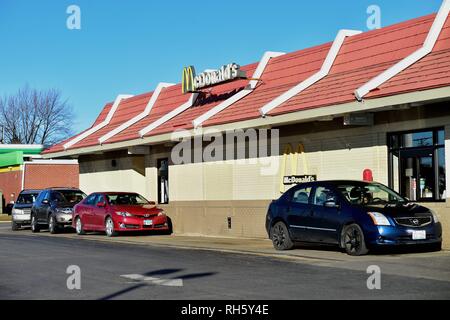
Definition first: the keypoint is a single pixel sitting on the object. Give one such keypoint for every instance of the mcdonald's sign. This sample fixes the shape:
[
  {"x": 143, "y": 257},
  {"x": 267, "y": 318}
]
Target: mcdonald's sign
[
  {"x": 187, "y": 80},
  {"x": 287, "y": 179},
  {"x": 191, "y": 82}
]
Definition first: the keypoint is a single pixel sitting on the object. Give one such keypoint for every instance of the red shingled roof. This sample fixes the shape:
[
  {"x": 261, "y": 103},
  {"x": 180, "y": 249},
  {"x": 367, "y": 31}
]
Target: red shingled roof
[
  {"x": 101, "y": 117},
  {"x": 361, "y": 58}
]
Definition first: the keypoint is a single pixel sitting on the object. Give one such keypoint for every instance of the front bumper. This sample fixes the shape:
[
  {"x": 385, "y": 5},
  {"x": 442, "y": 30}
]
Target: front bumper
[
  {"x": 137, "y": 223},
  {"x": 64, "y": 219},
  {"x": 400, "y": 235},
  {"x": 22, "y": 218}
]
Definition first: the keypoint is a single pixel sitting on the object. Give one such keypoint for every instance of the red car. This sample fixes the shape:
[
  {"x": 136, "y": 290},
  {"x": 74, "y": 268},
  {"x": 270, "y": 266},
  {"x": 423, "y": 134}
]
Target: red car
[{"x": 114, "y": 212}]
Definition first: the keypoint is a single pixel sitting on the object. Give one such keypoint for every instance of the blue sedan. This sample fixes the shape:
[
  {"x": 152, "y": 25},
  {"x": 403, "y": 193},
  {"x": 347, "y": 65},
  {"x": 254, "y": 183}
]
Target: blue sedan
[{"x": 354, "y": 215}]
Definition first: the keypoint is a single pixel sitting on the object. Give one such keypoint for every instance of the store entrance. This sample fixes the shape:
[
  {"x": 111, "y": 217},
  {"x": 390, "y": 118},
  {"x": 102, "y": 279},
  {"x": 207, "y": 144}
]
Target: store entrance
[
  {"x": 163, "y": 181},
  {"x": 417, "y": 174}
]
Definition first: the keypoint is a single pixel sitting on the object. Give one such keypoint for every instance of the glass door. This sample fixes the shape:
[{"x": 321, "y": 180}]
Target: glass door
[
  {"x": 417, "y": 174},
  {"x": 163, "y": 181}
]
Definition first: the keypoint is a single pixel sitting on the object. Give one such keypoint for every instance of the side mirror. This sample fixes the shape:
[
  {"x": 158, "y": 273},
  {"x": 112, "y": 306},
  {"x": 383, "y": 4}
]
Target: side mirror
[
  {"x": 101, "y": 204},
  {"x": 331, "y": 204}
]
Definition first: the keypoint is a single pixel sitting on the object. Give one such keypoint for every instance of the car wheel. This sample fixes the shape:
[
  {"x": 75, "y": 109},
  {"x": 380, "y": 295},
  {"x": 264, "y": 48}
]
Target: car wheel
[
  {"x": 79, "y": 226},
  {"x": 280, "y": 237},
  {"x": 34, "y": 225},
  {"x": 109, "y": 227},
  {"x": 52, "y": 224},
  {"x": 353, "y": 240},
  {"x": 15, "y": 226}
]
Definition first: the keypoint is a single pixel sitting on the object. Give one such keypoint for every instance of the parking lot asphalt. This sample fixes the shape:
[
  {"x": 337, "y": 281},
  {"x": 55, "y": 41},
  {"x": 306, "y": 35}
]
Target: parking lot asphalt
[{"x": 413, "y": 265}]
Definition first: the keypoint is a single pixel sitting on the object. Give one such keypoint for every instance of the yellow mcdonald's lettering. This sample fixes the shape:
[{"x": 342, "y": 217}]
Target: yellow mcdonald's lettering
[
  {"x": 187, "y": 80},
  {"x": 289, "y": 152}
]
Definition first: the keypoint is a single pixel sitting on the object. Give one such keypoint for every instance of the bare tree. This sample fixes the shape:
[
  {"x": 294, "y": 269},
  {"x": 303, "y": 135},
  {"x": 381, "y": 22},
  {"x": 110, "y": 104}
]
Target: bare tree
[{"x": 35, "y": 116}]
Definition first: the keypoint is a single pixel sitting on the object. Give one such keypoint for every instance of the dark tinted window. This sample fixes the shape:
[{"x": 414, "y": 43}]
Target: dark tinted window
[
  {"x": 126, "y": 199},
  {"x": 68, "y": 196}
]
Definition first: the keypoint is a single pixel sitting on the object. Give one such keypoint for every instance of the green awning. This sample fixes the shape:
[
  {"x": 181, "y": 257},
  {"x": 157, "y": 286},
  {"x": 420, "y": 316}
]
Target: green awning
[{"x": 11, "y": 159}]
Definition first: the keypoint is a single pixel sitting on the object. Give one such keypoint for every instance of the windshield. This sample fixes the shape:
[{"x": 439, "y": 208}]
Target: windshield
[
  {"x": 68, "y": 196},
  {"x": 370, "y": 194},
  {"x": 132, "y": 199},
  {"x": 27, "y": 198}
]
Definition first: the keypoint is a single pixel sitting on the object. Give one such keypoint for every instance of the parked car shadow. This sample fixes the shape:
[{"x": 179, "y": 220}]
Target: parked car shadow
[{"x": 156, "y": 273}]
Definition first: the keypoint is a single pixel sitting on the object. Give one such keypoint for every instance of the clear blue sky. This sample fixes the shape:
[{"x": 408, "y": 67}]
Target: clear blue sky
[{"x": 130, "y": 46}]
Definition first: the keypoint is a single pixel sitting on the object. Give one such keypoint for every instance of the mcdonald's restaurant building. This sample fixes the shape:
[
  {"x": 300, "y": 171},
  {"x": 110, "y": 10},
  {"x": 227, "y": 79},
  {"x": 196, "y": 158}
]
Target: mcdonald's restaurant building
[{"x": 366, "y": 104}]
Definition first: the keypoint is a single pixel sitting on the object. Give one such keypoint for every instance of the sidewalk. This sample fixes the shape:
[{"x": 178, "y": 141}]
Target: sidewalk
[{"x": 5, "y": 218}]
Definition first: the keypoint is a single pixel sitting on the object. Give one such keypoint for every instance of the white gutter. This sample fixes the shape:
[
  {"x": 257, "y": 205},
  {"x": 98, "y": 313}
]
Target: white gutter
[
  {"x": 323, "y": 72},
  {"x": 140, "y": 116},
  {"x": 241, "y": 94},
  {"x": 169, "y": 115},
  {"x": 427, "y": 47},
  {"x": 101, "y": 125},
  {"x": 21, "y": 146}
]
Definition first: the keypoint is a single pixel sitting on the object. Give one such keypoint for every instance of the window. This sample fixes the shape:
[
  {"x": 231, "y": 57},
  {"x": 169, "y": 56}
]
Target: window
[
  {"x": 27, "y": 198},
  {"x": 323, "y": 195},
  {"x": 91, "y": 199},
  {"x": 126, "y": 199},
  {"x": 417, "y": 164},
  {"x": 301, "y": 195}
]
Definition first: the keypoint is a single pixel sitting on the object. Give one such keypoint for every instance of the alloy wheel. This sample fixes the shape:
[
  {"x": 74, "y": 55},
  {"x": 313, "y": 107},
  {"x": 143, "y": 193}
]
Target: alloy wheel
[
  {"x": 278, "y": 236},
  {"x": 353, "y": 240},
  {"x": 109, "y": 227},
  {"x": 78, "y": 226}
]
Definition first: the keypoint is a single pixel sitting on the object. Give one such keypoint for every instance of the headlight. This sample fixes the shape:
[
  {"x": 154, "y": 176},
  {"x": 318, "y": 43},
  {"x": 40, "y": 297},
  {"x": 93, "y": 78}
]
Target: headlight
[
  {"x": 379, "y": 219},
  {"x": 435, "y": 216},
  {"x": 17, "y": 211},
  {"x": 161, "y": 213},
  {"x": 124, "y": 214}
]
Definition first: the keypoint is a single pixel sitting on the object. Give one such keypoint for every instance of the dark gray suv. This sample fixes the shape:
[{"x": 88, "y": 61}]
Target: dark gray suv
[{"x": 53, "y": 209}]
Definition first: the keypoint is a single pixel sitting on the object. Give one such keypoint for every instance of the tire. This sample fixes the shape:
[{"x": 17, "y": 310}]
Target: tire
[
  {"x": 109, "y": 228},
  {"x": 353, "y": 240},
  {"x": 52, "y": 224},
  {"x": 35, "y": 228},
  {"x": 280, "y": 237},
  {"x": 15, "y": 226},
  {"x": 79, "y": 227}
]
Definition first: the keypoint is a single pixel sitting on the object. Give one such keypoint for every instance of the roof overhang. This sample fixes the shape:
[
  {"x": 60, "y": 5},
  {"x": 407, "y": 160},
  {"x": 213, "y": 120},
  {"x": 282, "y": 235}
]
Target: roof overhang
[{"x": 368, "y": 105}]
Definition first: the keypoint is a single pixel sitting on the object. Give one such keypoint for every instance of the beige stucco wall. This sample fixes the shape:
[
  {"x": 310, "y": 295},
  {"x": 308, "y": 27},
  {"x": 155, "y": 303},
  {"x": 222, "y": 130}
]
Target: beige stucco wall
[
  {"x": 203, "y": 195},
  {"x": 120, "y": 180}
]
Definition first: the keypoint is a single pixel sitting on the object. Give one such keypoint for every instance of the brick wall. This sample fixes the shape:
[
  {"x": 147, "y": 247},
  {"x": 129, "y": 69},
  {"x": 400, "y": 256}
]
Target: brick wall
[
  {"x": 40, "y": 176},
  {"x": 10, "y": 184}
]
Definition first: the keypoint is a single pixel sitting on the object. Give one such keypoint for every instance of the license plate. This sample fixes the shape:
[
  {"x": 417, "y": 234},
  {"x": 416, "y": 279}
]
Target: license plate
[
  {"x": 148, "y": 222},
  {"x": 419, "y": 235}
]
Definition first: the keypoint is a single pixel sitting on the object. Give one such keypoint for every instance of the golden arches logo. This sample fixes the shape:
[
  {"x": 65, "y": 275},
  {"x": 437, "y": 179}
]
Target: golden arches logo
[
  {"x": 187, "y": 80},
  {"x": 293, "y": 155}
]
